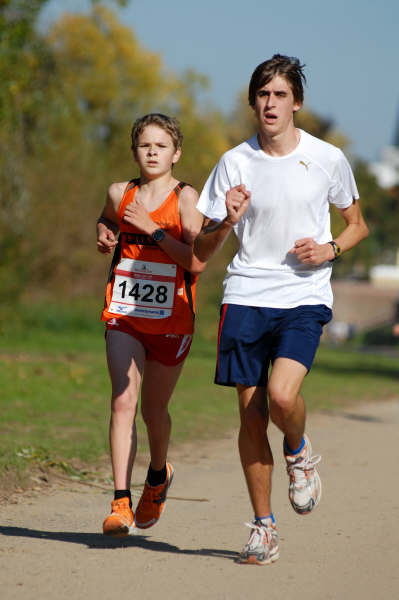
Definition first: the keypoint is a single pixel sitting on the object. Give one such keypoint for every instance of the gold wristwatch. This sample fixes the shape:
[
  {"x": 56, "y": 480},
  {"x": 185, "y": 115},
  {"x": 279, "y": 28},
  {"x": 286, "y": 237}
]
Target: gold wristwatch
[{"x": 337, "y": 250}]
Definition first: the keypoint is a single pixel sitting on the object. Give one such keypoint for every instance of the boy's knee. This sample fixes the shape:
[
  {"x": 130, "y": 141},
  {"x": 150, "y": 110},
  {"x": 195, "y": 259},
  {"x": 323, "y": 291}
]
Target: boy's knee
[
  {"x": 123, "y": 403},
  {"x": 154, "y": 418}
]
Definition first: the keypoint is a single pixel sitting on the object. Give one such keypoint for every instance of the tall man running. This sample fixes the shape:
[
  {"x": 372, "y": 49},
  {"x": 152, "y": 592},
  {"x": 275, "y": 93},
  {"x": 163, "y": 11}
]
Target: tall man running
[{"x": 275, "y": 190}]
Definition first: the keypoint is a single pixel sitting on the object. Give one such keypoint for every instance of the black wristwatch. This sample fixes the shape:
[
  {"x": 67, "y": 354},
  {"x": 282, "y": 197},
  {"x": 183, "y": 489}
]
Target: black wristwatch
[
  {"x": 158, "y": 235},
  {"x": 337, "y": 250}
]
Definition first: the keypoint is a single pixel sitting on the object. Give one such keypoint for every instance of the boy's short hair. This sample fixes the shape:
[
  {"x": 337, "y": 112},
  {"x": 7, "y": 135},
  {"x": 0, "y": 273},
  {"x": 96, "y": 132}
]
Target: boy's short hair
[
  {"x": 168, "y": 124},
  {"x": 288, "y": 67}
]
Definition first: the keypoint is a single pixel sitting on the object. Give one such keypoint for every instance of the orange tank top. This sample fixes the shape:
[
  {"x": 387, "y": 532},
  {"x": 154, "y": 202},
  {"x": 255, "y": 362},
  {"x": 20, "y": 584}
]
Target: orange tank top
[{"x": 145, "y": 286}]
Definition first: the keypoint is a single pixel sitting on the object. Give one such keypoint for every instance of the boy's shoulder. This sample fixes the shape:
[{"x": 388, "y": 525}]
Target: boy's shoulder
[
  {"x": 115, "y": 193},
  {"x": 188, "y": 192},
  {"x": 117, "y": 188}
]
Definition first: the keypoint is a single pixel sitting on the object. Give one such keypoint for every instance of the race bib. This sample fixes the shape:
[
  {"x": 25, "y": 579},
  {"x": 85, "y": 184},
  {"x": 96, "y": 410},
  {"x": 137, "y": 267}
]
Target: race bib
[{"x": 143, "y": 289}]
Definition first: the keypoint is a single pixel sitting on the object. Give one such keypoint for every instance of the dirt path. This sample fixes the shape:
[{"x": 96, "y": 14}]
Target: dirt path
[{"x": 51, "y": 546}]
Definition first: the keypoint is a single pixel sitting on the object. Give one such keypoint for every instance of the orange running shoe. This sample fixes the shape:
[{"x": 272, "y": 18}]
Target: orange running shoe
[
  {"x": 121, "y": 520},
  {"x": 152, "y": 501}
]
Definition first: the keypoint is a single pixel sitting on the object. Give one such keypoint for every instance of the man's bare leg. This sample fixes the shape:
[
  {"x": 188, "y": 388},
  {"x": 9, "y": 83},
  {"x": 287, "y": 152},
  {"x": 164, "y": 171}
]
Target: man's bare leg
[
  {"x": 287, "y": 411},
  {"x": 255, "y": 453},
  {"x": 287, "y": 408}
]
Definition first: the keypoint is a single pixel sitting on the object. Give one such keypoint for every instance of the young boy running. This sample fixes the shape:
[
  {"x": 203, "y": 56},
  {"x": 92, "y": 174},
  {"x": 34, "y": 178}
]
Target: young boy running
[
  {"x": 149, "y": 310},
  {"x": 274, "y": 190}
]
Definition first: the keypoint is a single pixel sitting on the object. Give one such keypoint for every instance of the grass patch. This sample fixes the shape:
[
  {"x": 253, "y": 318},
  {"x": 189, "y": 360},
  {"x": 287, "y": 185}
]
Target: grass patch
[
  {"x": 55, "y": 387},
  {"x": 342, "y": 377}
]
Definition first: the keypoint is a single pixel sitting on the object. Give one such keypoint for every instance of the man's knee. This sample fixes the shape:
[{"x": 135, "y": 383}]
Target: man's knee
[
  {"x": 254, "y": 418},
  {"x": 281, "y": 398}
]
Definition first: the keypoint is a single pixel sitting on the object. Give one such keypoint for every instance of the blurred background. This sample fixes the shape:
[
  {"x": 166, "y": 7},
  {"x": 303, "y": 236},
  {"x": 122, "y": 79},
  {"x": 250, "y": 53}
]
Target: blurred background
[{"x": 75, "y": 75}]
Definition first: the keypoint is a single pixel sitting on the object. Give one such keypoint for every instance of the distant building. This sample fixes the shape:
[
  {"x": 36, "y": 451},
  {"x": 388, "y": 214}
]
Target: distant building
[
  {"x": 387, "y": 174},
  {"x": 386, "y": 171}
]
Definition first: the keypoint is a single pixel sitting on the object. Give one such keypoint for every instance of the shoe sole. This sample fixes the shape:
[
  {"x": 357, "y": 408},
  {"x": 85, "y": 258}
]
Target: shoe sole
[
  {"x": 153, "y": 521},
  {"x": 122, "y": 531},
  {"x": 252, "y": 560},
  {"x": 305, "y": 510}
]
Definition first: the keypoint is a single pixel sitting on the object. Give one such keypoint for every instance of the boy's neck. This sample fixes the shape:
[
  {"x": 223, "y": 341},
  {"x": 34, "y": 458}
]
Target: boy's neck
[{"x": 158, "y": 184}]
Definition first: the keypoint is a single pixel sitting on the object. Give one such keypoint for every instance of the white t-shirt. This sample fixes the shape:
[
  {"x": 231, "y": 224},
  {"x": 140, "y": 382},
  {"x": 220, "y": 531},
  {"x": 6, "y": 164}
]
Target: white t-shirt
[{"x": 290, "y": 198}]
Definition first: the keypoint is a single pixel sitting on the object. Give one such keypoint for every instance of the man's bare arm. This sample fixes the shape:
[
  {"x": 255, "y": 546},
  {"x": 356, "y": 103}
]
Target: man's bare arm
[
  {"x": 214, "y": 234},
  {"x": 310, "y": 252}
]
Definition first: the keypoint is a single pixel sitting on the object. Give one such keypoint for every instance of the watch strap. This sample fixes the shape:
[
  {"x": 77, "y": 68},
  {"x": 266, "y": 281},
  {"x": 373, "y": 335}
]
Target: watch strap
[{"x": 337, "y": 250}]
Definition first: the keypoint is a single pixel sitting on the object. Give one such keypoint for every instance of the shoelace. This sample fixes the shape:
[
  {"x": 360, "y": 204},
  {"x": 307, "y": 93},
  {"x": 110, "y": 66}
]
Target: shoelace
[
  {"x": 299, "y": 469},
  {"x": 119, "y": 504},
  {"x": 258, "y": 534}
]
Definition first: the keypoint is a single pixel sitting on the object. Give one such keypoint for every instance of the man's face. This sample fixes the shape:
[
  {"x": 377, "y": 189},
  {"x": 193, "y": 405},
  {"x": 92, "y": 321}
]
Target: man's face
[{"x": 275, "y": 106}]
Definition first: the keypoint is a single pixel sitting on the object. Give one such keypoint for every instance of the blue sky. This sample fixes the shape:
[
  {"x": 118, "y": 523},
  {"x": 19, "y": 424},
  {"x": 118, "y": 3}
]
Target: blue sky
[{"x": 350, "y": 48}]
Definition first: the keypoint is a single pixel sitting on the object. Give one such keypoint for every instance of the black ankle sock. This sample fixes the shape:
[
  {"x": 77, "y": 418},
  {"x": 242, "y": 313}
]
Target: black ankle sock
[
  {"x": 118, "y": 494},
  {"x": 156, "y": 477}
]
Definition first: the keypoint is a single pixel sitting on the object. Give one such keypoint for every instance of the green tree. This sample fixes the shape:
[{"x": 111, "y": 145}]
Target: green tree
[
  {"x": 67, "y": 130},
  {"x": 381, "y": 212}
]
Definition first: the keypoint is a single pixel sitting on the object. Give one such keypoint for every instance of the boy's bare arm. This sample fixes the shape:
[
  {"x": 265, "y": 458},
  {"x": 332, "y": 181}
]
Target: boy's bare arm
[
  {"x": 214, "y": 234},
  {"x": 107, "y": 223},
  {"x": 191, "y": 219}
]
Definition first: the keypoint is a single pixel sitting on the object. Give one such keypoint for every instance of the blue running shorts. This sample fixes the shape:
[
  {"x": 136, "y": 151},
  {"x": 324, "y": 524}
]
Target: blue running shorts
[{"x": 252, "y": 337}]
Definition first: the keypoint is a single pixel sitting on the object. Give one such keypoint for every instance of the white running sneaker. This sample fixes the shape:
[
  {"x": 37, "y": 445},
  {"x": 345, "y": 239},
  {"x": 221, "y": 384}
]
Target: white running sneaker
[
  {"x": 262, "y": 546},
  {"x": 305, "y": 485}
]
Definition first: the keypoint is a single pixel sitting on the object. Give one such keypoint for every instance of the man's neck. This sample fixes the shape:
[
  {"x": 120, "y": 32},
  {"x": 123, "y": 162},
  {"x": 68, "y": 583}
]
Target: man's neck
[{"x": 280, "y": 144}]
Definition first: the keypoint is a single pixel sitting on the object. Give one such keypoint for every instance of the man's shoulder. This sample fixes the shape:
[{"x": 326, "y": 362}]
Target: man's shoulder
[
  {"x": 320, "y": 151},
  {"x": 319, "y": 147},
  {"x": 244, "y": 149}
]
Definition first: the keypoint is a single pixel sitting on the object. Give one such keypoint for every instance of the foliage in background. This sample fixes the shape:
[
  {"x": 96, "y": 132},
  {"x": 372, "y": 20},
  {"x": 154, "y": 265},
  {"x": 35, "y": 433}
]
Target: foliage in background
[{"x": 67, "y": 100}]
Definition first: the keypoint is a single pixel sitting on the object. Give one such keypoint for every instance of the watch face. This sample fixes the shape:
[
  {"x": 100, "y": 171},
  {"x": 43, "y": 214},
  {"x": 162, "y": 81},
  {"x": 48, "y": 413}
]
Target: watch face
[{"x": 158, "y": 235}]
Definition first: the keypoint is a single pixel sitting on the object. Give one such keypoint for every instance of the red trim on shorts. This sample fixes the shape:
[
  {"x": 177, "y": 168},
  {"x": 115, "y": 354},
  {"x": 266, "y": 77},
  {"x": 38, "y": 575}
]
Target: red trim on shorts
[
  {"x": 164, "y": 348},
  {"x": 221, "y": 321}
]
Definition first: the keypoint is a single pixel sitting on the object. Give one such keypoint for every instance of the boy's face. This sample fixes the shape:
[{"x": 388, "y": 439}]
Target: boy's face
[
  {"x": 155, "y": 152},
  {"x": 275, "y": 106}
]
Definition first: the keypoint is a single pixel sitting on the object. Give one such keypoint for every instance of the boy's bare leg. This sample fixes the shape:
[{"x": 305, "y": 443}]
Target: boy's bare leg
[
  {"x": 126, "y": 357},
  {"x": 287, "y": 408},
  {"x": 255, "y": 453},
  {"x": 158, "y": 384}
]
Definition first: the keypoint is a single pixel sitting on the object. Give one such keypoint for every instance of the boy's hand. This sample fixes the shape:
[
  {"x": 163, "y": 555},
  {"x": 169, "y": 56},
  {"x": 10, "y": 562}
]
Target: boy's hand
[
  {"x": 137, "y": 215},
  {"x": 310, "y": 252},
  {"x": 106, "y": 240},
  {"x": 237, "y": 201}
]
